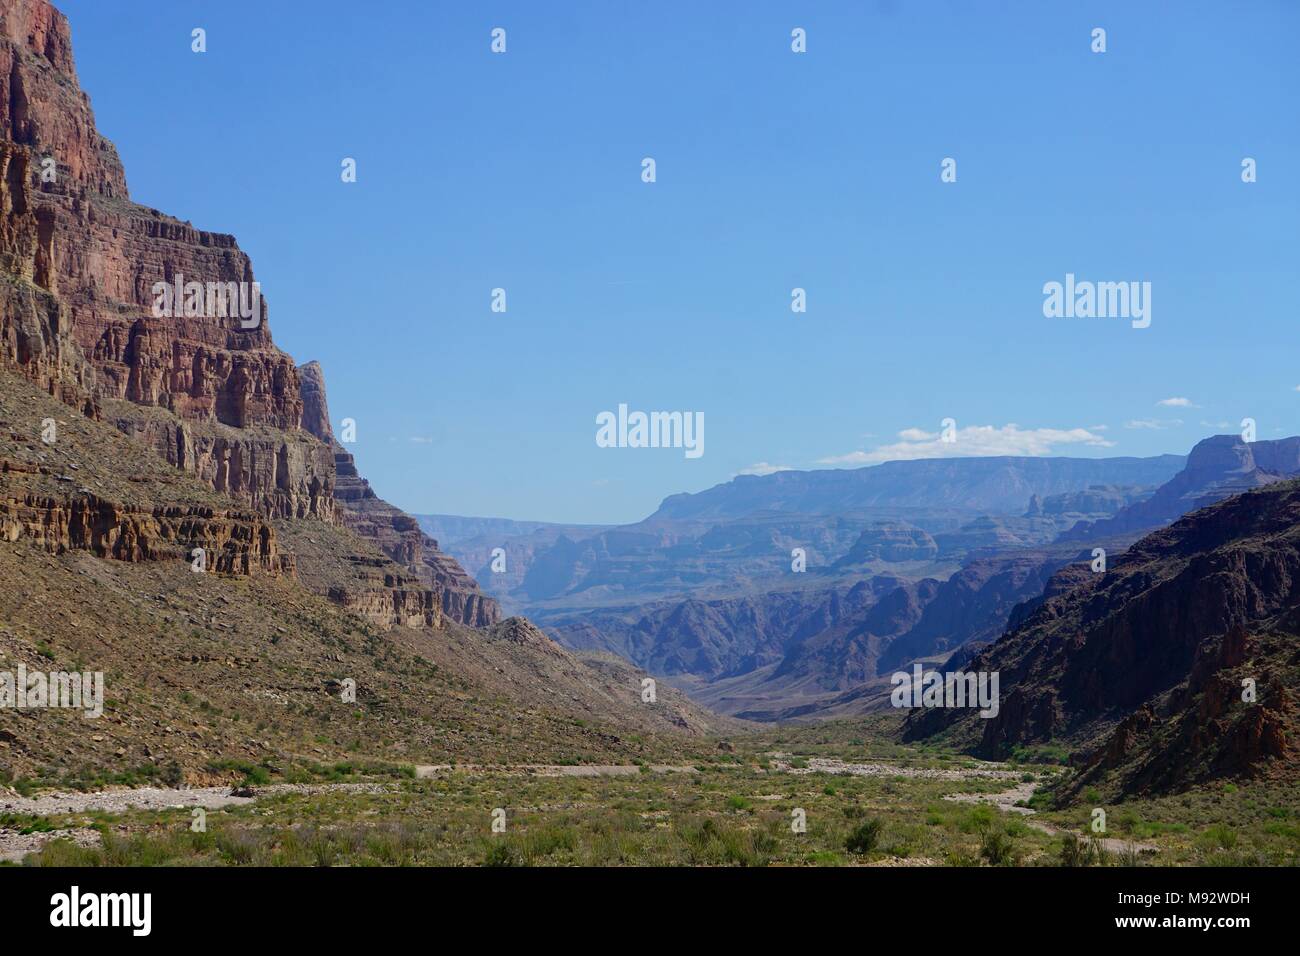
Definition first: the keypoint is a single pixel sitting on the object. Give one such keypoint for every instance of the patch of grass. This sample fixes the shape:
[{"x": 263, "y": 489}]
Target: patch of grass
[
  {"x": 1041, "y": 753},
  {"x": 254, "y": 775},
  {"x": 26, "y": 823}
]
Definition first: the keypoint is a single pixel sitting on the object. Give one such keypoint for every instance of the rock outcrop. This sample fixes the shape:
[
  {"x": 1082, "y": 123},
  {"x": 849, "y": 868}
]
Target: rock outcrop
[
  {"x": 78, "y": 236},
  {"x": 890, "y": 541},
  {"x": 385, "y": 597},
  {"x": 315, "y": 406},
  {"x": 282, "y": 474},
  {"x": 86, "y": 314},
  {"x": 1097, "y": 500}
]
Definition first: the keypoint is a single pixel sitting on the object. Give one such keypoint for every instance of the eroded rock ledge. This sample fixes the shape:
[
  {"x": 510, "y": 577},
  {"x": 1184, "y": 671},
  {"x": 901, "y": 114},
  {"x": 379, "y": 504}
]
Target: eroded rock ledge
[{"x": 234, "y": 543}]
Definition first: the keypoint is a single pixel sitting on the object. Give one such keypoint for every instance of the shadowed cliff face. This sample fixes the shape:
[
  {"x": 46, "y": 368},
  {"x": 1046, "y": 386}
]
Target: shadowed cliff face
[
  {"x": 1142, "y": 667},
  {"x": 206, "y": 389}
]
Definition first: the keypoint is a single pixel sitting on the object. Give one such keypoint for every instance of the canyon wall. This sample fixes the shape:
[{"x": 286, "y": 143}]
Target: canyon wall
[{"x": 207, "y": 390}]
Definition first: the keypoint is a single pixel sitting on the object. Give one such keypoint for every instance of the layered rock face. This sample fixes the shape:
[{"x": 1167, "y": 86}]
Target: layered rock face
[
  {"x": 233, "y": 543},
  {"x": 315, "y": 406},
  {"x": 284, "y": 475},
  {"x": 82, "y": 316},
  {"x": 101, "y": 254},
  {"x": 387, "y": 598}
]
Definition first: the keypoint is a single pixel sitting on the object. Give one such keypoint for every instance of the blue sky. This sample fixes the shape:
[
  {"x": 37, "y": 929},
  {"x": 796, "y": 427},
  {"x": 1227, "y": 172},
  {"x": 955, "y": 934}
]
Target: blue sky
[{"x": 774, "y": 170}]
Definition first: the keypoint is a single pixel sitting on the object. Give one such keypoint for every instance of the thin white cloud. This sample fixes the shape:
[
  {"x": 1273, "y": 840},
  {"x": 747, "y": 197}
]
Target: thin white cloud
[
  {"x": 1177, "y": 403},
  {"x": 1216, "y": 424},
  {"x": 420, "y": 440},
  {"x": 763, "y": 468},
  {"x": 973, "y": 441},
  {"x": 1154, "y": 424}
]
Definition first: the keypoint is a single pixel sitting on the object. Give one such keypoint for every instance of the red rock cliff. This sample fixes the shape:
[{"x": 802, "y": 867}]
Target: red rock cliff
[
  {"x": 79, "y": 316},
  {"x": 80, "y": 262}
]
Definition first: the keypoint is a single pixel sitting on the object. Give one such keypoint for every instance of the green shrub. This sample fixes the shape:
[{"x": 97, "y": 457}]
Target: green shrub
[
  {"x": 997, "y": 848},
  {"x": 1075, "y": 850},
  {"x": 500, "y": 854},
  {"x": 865, "y": 836}
]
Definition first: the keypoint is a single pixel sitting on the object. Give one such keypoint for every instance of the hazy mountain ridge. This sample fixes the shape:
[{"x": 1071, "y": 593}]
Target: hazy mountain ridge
[
  {"x": 1218, "y": 467},
  {"x": 728, "y": 542},
  {"x": 980, "y": 485},
  {"x": 761, "y": 653},
  {"x": 727, "y": 636}
]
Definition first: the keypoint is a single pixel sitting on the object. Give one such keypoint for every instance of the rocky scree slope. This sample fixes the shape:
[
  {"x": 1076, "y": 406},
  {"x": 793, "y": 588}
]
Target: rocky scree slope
[{"x": 238, "y": 670}]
